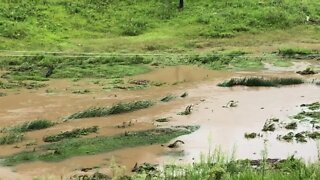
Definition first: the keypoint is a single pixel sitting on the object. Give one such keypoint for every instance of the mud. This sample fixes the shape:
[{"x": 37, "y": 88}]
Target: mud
[{"x": 219, "y": 127}]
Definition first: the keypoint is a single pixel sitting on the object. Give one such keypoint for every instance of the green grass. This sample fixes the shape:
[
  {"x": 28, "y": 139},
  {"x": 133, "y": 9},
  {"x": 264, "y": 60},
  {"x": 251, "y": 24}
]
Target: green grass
[
  {"x": 75, "y": 133},
  {"x": 19, "y": 84},
  {"x": 218, "y": 167},
  {"x": 11, "y": 138},
  {"x": 35, "y": 68},
  {"x": 32, "y": 126},
  {"x": 168, "y": 98},
  {"x": 313, "y": 106},
  {"x": 115, "y": 109},
  {"x": 294, "y": 52},
  {"x": 259, "y": 81},
  {"x": 90, "y": 146},
  {"x": 153, "y": 25}
]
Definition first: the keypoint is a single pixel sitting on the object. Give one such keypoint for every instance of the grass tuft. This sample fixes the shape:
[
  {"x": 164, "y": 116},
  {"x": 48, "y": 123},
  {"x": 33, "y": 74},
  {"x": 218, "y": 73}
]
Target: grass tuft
[
  {"x": 33, "y": 125},
  {"x": 115, "y": 109},
  {"x": 259, "y": 81},
  {"x": 11, "y": 138},
  {"x": 76, "y": 133}
]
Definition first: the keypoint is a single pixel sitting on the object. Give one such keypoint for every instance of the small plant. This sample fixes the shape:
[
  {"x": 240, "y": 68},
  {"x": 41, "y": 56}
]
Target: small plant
[
  {"x": 187, "y": 111},
  {"x": 300, "y": 137},
  {"x": 290, "y": 52},
  {"x": 268, "y": 126},
  {"x": 314, "y": 135},
  {"x": 85, "y": 91},
  {"x": 11, "y": 138},
  {"x": 2, "y": 94},
  {"x": 291, "y": 126},
  {"x": 313, "y": 106},
  {"x": 168, "y": 98},
  {"x": 162, "y": 120},
  {"x": 76, "y": 133},
  {"x": 307, "y": 71},
  {"x": 250, "y": 135},
  {"x": 185, "y": 94},
  {"x": 288, "y": 137}
]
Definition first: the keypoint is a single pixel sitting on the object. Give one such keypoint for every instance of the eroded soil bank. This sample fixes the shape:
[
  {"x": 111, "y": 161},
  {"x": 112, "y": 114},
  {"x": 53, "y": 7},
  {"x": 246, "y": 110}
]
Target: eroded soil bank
[{"x": 219, "y": 126}]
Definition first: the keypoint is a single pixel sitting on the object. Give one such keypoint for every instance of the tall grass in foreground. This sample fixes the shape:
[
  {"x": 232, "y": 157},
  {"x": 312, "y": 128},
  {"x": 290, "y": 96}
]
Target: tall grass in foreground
[
  {"x": 115, "y": 109},
  {"x": 217, "y": 167},
  {"x": 259, "y": 81},
  {"x": 75, "y": 133}
]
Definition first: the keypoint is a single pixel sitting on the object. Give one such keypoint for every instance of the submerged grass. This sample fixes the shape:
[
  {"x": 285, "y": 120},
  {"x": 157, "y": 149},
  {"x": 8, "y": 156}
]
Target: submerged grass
[
  {"x": 32, "y": 126},
  {"x": 11, "y": 138},
  {"x": 260, "y": 81},
  {"x": 217, "y": 166},
  {"x": 76, "y": 133},
  {"x": 89, "y": 146},
  {"x": 115, "y": 109},
  {"x": 168, "y": 98}
]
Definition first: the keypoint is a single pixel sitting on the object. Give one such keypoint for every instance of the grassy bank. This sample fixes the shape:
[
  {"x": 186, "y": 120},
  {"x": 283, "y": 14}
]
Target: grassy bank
[
  {"x": 144, "y": 25},
  {"x": 89, "y": 146}
]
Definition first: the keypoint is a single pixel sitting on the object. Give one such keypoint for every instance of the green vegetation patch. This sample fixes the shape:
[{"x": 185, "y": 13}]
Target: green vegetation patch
[
  {"x": 90, "y": 146},
  {"x": 41, "y": 67},
  {"x": 260, "y": 81},
  {"x": 11, "y": 138},
  {"x": 32, "y": 126},
  {"x": 297, "y": 52},
  {"x": 313, "y": 106},
  {"x": 119, "y": 108},
  {"x": 236, "y": 60},
  {"x": 168, "y": 98},
  {"x": 20, "y": 84},
  {"x": 250, "y": 135},
  {"x": 76, "y": 133},
  {"x": 218, "y": 167}
]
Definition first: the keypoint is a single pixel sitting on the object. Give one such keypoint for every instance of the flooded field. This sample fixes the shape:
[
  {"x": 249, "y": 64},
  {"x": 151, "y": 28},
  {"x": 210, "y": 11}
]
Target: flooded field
[{"x": 220, "y": 125}]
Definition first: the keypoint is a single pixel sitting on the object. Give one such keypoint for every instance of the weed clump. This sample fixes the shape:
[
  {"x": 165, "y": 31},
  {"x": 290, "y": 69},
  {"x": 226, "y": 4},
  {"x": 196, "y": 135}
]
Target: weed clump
[
  {"x": 168, "y": 98},
  {"x": 250, "y": 135},
  {"x": 185, "y": 94},
  {"x": 115, "y": 109},
  {"x": 11, "y": 138},
  {"x": 187, "y": 111},
  {"x": 162, "y": 120},
  {"x": 268, "y": 126},
  {"x": 76, "y": 133},
  {"x": 294, "y": 52},
  {"x": 256, "y": 81},
  {"x": 313, "y": 106},
  {"x": 291, "y": 126},
  {"x": 33, "y": 125}
]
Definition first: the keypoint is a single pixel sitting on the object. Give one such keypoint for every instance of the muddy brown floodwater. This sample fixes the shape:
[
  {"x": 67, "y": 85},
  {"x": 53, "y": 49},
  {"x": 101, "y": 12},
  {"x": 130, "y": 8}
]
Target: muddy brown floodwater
[{"x": 219, "y": 127}]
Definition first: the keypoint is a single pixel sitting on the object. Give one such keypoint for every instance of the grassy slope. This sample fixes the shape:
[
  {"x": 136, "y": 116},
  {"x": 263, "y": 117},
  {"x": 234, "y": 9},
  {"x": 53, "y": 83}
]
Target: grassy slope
[{"x": 150, "y": 25}]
